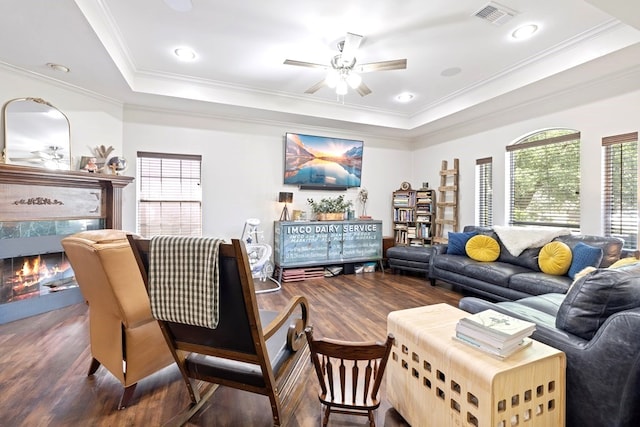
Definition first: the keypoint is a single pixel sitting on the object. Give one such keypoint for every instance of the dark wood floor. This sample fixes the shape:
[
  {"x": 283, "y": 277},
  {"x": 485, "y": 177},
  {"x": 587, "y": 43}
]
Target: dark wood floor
[{"x": 44, "y": 361}]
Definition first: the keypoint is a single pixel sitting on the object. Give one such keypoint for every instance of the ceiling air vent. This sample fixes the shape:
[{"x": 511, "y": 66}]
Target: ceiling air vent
[{"x": 496, "y": 13}]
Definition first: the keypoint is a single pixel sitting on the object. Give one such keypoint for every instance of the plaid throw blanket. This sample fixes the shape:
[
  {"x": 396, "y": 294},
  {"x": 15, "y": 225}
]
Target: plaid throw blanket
[{"x": 183, "y": 279}]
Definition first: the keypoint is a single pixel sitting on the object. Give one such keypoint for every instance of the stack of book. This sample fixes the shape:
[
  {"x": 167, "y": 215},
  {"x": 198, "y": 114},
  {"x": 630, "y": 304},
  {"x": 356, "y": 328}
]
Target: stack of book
[{"x": 494, "y": 333}]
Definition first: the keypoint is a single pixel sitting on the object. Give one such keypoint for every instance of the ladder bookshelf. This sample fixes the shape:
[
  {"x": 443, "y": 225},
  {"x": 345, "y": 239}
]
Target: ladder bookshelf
[{"x": 447, "y": 207}]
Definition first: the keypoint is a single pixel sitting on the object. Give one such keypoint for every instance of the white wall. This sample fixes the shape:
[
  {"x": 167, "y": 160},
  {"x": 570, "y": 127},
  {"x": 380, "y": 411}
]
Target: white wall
[
  {"x": 612, "y": 116},
  {"x": 242, "y": 167}
]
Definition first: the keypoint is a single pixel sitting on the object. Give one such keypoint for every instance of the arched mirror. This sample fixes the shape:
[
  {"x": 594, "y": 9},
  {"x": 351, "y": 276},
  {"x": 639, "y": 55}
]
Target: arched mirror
[{"x": 36, "y": 134}]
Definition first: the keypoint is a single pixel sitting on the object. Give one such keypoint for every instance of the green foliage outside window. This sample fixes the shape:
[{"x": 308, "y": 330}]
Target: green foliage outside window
[{"x": 545, "y": 179}]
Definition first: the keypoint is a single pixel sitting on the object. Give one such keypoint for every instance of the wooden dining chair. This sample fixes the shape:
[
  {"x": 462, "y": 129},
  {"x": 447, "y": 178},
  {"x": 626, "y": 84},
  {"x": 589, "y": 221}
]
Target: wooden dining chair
[
  {"x": 350, "y": 374},
  {"x": 238, "y": 352}
]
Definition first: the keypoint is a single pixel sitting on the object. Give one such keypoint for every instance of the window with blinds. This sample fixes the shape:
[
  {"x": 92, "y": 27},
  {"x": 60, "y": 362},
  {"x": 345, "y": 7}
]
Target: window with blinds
[
  {"x": 484, "y": 186},
  {"x": 545, "y": 179},
  {"x": 620, "y": 188},
  {"x": 169, "y": 194}
]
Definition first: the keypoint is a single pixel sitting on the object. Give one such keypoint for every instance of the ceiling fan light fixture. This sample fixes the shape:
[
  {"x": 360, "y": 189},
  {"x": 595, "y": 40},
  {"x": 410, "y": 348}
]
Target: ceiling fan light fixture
[
  {"x": 354, "y": 80},
  {"x": 332, "y": 78},
  {"x": 341, "y": 87}
]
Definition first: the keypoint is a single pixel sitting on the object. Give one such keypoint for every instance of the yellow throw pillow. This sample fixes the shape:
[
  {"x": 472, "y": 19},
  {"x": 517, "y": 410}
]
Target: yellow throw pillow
[
  {"x": 555, "y": 258},
  {"x": 482, "y": 248}
]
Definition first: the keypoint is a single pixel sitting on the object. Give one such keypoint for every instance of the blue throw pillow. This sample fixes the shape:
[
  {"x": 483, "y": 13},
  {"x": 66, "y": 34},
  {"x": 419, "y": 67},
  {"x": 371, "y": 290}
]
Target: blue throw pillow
[
  {"x": 584, "y": 256},
  {"x": 458, "y": 241}
]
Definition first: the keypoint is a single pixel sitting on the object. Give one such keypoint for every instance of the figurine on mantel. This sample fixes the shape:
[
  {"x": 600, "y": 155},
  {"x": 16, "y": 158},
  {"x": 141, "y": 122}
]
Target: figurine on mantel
[
  {"x": 117, "y": 165},
  {"x": 92, "y": 165}
]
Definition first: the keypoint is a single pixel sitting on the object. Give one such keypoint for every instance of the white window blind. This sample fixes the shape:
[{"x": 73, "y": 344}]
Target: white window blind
[
  {"x": 169, "y": 194},
  {"x": 545, "y": 179},
  {"x": 484, "y": 176},
  {"x": 620, "y": 188}
]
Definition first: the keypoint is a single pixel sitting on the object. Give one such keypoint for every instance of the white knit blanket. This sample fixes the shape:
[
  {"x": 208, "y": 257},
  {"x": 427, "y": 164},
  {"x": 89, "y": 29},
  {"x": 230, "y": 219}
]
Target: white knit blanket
[{"x": 517, "y": 239}]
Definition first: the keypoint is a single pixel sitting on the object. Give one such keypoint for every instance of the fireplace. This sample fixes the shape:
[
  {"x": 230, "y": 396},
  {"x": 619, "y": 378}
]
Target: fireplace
[
  {"x": 38, "y": 208},
  {"x": 34, "y": 276}
]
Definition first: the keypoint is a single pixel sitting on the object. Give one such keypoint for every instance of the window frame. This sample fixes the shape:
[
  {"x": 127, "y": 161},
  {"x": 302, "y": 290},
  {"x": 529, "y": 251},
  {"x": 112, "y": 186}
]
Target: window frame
[
  {"x": 484, "y": 192},
  {"x": 178, "y": 210},
  {"x": 552, "y": 210},
  {"x": 612, "y": 156}
]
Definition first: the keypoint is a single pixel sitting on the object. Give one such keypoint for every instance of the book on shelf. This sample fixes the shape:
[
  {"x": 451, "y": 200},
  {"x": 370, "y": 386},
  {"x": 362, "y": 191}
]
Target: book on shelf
[{"x": 500, "y": 353}]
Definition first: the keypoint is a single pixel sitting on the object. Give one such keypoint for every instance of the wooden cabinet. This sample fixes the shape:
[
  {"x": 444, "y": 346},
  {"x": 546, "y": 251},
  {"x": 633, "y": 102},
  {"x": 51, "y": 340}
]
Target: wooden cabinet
[
  {"x": 315, "y": 243},
  {"x": 413, "y": 216}
]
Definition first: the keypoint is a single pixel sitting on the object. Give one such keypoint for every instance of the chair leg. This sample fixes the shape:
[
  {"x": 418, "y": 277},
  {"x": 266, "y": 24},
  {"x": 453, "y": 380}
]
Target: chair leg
[
  {"x": 372, "y": 420},
  {"x": 126, "y": 396},
  {"x": 276, "y": 410},
  {"x": 93, "y": 367},
  {"x": 325, "y": 417}
]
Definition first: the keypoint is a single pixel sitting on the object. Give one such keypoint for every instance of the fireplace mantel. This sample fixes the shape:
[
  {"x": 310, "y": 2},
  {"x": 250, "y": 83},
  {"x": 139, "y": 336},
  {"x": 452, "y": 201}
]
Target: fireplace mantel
[
  {"x": 34, "y": 202},
  {"x": 110, "y": 188}
]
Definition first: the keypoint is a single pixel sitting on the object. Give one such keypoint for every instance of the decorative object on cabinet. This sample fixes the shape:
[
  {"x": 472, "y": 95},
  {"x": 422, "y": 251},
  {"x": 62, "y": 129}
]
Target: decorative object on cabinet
[
  {"x": 36, "y": 134},
  {"x": 322, "y": 163},
  {"x": 330, "y": 208},
  {"x": 413, "y": 216},
  {"x": 285, "y": 198},
  {"x": 447, "y": 215},
  {"x": 363, "y": 196}
]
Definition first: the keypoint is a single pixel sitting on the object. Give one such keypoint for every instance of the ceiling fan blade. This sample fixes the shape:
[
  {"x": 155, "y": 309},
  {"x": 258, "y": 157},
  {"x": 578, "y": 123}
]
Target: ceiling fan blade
[
  {"x": 350, "y": 47},
  {"x": 363, "y": 89},
  {"x": 316, "y": 87},
  {"x": 395, "y": 64},
  {"x": 304, "y": 64}
]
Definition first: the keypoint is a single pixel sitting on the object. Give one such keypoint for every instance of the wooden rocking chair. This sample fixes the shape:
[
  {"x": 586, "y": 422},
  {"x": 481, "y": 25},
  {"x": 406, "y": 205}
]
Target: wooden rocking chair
[{"x": 239, "y": 353}]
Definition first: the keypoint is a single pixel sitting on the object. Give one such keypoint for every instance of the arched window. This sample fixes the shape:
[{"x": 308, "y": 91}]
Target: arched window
[{"x": 545, "y": 179}]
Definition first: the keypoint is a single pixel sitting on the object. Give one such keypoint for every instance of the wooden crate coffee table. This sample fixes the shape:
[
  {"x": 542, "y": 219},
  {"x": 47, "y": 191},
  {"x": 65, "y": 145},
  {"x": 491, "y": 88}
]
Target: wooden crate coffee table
[{"x": 434, "y": 380}]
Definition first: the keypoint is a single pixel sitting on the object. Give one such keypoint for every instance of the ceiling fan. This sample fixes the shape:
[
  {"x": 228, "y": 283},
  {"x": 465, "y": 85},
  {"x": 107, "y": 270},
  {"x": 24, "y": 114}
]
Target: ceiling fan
[{"x": 344, "y": 70}]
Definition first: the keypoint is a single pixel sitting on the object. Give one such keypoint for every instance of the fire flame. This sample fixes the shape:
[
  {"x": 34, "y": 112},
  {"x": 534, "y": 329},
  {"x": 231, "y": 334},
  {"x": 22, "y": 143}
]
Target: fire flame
[{"x": 35, "y": 269}]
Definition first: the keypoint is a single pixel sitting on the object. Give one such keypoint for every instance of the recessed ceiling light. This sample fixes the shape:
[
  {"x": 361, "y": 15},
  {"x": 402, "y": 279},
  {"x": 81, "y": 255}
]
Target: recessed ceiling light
[
  {"x": 524, "y": 32},
  {"x": 405, "y": 97},
  {"x": 58, "y": 67},
  {"x": 449, "y": 72},
  {"x": 185, "y": 54}
]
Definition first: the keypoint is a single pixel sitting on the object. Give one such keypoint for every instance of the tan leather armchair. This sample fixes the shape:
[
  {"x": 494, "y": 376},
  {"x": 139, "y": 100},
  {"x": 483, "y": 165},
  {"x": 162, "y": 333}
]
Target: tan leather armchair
[{"x": 125, "y": 338}]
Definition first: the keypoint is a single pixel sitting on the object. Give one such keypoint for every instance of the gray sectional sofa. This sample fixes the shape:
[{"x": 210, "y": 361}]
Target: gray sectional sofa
[
  {"x": 597, "y": 325},
  {"x": 511, "y": 278}
]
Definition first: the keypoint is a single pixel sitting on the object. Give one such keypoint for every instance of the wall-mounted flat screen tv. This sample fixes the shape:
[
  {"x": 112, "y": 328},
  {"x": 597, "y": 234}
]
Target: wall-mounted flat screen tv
[{"x": 318, "y": 161}]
